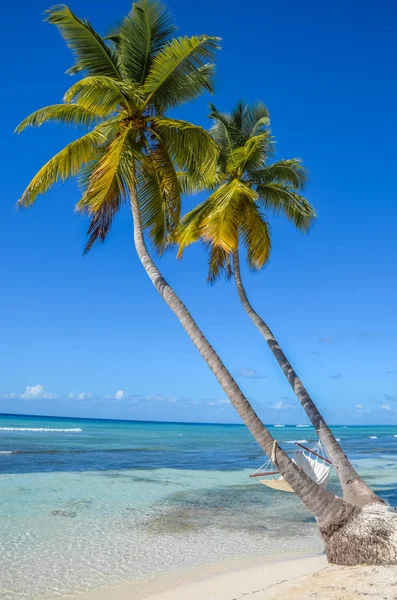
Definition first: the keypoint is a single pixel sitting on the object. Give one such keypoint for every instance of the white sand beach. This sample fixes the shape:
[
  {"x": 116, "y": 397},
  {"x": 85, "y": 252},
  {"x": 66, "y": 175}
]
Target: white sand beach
[{"x": 300, "y": 578}]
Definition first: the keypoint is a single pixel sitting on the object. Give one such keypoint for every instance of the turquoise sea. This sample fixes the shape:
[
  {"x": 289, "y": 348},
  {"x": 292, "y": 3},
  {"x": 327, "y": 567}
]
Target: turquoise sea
[{"x": 88, "y": 503}]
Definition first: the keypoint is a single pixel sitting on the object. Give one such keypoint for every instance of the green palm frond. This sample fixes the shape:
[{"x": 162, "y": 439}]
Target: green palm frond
[
  {"x": 98, "y": 93},
  {"x": 280, "y": 198},
  {"x": 225, "y": 132},
  {"x": 288, "y": 172},
  {"x": 67, "y": 163},
  {"x": 181, "y": 71},
  {"x": 143, "y": 33},
  {"x": 191, "y": 147},
  {"x": 251, "y": 156},
  {"x": 256, "y": 119},
  {"x": 189, "y": 184},
  {"x": 68, "y": 114},
  {"x": 89, "y": 49}
]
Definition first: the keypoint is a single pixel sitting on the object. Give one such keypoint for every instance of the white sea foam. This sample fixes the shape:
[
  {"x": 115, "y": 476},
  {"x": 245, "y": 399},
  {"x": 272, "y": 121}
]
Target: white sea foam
[
  {"x": 6, "y": 452},
  {"x": 394, "y": 435},
  {"x": 373, "y": 437},
  {"x": 337, "y": 439},
  {"x": 75, "y": 430},
  {"x": 297, "y": 442},
  {"x": 279, "y": 426}
]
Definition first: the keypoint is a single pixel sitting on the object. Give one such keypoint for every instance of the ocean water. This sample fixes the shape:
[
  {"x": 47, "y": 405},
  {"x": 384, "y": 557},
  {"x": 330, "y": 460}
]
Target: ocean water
[{"x": 88, "y": 503}]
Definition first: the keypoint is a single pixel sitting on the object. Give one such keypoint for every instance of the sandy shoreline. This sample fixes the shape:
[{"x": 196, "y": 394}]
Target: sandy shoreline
[
  {"x": 291, "y": 578},
  {"x": 230, "y": 580}
]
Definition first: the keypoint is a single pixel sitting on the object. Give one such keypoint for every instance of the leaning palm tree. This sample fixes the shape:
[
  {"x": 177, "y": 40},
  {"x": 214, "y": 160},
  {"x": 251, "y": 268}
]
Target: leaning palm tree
[
  {"x": 233, "y": 217},
  {"x": 134, "y": 154}
]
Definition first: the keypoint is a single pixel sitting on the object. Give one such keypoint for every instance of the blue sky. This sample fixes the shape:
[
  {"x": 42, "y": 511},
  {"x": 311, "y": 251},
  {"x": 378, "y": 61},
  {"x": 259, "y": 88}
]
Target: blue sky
[{"x": 90, "y": 337}]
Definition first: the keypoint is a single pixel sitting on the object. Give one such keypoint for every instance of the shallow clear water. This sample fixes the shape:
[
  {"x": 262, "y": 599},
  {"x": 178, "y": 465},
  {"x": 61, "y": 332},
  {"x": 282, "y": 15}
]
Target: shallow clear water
[{"x": 85, "y": 503}]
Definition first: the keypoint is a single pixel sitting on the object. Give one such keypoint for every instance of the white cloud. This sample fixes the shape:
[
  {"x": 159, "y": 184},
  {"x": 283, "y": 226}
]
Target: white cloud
[
  {"x": 83, "y": 396},
  {"x": 37, "y": 391},
  {"x": 172, "y": 400},
  {"x": 359, "y": 406},
  {"x": 154, "y": 397},
  {"x": 386, "y": 407},
  {"x": 119, "y": 395},
  {"x": 9, "y": 395},
  {"x": 279, "y": 405},
  {"x": 220, "y": 402},
  {"x": 249, "y": 373}
]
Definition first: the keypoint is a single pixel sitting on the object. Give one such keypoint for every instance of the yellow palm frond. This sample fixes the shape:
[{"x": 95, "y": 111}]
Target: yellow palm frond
[
  {"x": 181, "y": 70},
  {"x": 67, "y": 163},
  {"x": 190, "y": 146},
  {"x": 99, "y": 94},
  {"x": 254, "y": 232},
  {"x": 68, "y": 114},
  {"x": 106, "y": 174},
  {"x": 159, "y": 198}
]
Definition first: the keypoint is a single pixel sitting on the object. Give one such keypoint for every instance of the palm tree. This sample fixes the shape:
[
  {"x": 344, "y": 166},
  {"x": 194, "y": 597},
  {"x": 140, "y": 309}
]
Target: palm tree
[
  {"x": 247, "y": 184},
  {"x": 133, "y": 153}
]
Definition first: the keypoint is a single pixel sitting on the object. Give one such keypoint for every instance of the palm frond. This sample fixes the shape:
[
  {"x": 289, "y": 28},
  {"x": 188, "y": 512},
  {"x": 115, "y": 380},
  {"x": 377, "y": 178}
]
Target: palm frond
[
  {"x": 289, "y": 172},
  {"x": 254, "y": 232},
  {"x": 252, "y": 155},
  {"x": 67, "y": 163},
  {"x": 191, "y": 147},
  {"x": 257, "y": 119},
  {"x": 281, "y": 198},
  {"x": 190, "y": 225},
  {"x": 159, "y": 198},
  {"x": 89, "y": 49},
  {"x": 68, "y": 114},
  {"x": 99, "y": 94},
  {"x": 106, "y": 179},
  {"x": 224, "y": 132},
  {"x": 102, "y": 220},
  {"x": 143, "y": 33},
  {"x": 189, "y": 184},
  {"x": 218, "y": 264},
  {"x": 181, "y": 71},
  {"x": 219, "y": 227}
]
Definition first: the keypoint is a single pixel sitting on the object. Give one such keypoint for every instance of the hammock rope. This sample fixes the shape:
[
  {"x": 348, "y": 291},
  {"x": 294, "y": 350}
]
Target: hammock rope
[{"x": 312, "y": 461}]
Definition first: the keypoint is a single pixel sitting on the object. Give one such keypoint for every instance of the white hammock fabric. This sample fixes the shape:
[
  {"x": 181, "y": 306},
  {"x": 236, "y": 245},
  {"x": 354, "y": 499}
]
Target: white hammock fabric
[{"x": 309, "y": 460}]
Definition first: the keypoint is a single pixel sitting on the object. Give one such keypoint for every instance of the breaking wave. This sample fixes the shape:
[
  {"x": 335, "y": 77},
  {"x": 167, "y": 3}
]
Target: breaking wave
[{"x": 37, "y": 429}]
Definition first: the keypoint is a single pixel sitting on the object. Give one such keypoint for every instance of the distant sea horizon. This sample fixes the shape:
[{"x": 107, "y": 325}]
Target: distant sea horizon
[{"x": 73, "y": 417}]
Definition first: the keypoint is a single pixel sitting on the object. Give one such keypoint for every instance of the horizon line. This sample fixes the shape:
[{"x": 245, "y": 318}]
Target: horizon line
[{"x": 2, "y": 414}]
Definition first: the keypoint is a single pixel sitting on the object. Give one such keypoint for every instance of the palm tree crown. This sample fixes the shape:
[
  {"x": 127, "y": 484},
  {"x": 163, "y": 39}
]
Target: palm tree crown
[
  {"x": 248, "y": 184},
  {"x": 130, "y": 79}
]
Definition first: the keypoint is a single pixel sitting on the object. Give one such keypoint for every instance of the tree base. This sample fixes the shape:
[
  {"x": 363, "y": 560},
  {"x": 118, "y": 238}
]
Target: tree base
[{"x": 368, "y": 536}]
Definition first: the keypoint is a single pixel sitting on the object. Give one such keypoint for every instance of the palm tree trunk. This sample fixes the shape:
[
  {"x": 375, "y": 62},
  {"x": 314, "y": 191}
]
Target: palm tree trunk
[
  {"x": 352, "y": 535},
  {"x": 326, "y": 507},
  {"x": 354, "y": 489}
]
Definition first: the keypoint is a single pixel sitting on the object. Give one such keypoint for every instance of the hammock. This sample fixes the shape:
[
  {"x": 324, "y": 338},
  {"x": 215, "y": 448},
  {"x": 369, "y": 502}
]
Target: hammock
[{"x": 312, "y": 461}]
